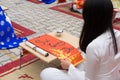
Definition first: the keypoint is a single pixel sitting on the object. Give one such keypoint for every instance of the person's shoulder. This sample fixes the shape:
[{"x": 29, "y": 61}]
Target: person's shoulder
[
  {"x": 104, "y": 38},
  {"x": 99, "y": 40},
  {"x": 98, "y": 46},
  {"x": 99, "y": 43}
]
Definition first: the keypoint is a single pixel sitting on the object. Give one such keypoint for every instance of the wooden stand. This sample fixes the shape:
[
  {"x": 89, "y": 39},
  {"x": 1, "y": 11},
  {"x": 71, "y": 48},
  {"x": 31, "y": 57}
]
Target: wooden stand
[{"x": 74, "y": 41}]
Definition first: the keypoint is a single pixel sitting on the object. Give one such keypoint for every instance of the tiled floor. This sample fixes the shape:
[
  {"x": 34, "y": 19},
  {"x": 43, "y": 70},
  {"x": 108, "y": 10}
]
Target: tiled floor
[{"x": 39, "y": 18}]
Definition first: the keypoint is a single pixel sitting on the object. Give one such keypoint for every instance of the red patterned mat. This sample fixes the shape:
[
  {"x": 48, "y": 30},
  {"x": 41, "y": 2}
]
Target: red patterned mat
[{"x": 15, "y": 65}]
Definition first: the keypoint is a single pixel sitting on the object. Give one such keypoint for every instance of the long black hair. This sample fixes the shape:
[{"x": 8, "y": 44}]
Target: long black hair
[{"x": 97, "y": 16}]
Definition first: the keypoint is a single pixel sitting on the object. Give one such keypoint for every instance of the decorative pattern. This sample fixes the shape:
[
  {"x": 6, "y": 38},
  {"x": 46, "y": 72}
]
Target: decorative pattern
[{"x": 25, "y": 76}]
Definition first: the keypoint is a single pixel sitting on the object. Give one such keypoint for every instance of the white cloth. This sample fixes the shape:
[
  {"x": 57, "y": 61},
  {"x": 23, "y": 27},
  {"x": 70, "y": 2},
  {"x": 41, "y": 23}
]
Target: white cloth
[
  {"x": 101, "y": 63},
  {"x": 75, "y": 8}
]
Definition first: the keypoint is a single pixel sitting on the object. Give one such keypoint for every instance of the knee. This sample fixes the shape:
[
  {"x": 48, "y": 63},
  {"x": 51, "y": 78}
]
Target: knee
[{"x": 47, "y": 73}]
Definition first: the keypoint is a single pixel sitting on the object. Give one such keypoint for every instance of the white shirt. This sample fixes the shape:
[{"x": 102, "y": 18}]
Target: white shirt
[{"x": 101, "y": 62}]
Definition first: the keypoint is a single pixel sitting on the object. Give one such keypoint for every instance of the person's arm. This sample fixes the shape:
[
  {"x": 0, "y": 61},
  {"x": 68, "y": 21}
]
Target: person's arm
[
  {"x": 91, "y": 67},
  {"x": 73, "y": 72}
]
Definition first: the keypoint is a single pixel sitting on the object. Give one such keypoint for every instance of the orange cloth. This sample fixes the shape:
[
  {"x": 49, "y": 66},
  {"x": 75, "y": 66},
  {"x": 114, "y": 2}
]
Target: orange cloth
[{"x": 79, "y": 4}]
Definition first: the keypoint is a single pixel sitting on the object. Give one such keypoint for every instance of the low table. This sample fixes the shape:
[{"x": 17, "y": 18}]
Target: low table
[{"x": 65, "y": 36}]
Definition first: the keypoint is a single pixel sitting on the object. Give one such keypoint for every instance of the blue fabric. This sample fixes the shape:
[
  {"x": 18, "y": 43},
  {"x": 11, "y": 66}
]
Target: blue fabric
[
  {"x": 8, "y": 38},
  {"x": 48, "y": 1}
]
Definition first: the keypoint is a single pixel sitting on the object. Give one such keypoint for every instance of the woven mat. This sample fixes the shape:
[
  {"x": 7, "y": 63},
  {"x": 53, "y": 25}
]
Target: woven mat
[
  {"x": 65, "y": 8},
  {"x": 31, "y": 68}
]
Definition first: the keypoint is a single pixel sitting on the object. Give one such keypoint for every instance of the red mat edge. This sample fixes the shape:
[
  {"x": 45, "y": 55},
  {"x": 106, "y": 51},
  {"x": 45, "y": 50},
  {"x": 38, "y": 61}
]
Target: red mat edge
[
  {"x": 25, "y": 30},
  {"x": 4, "y": 70}
]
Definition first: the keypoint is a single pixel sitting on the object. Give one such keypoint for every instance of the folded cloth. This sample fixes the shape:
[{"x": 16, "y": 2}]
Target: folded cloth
[
  {"x": 48, "y": 1},
  {"x": 75, "y": 9}
]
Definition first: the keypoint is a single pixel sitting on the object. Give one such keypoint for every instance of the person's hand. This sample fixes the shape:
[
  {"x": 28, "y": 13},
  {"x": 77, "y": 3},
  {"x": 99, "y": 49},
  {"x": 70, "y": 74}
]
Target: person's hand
[{"x": 65, "y": 63}]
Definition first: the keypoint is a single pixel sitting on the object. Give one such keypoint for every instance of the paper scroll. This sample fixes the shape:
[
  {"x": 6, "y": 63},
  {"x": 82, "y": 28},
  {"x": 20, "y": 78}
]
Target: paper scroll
[{"x": 41, "y": 51}]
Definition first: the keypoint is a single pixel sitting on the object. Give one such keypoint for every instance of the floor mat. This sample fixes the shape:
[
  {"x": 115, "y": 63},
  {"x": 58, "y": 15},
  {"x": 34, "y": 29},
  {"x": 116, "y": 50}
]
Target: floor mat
[
  {"x": 30, "y": 70},
  {"x": 65, "y": 8}
]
